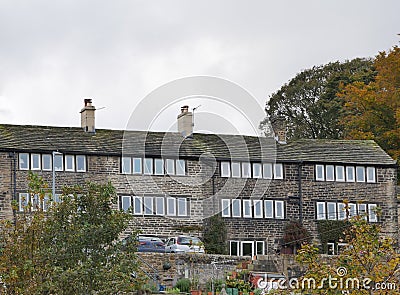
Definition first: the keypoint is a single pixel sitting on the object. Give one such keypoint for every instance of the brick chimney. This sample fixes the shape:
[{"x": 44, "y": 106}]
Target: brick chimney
[
  {"x": 279, "y": 128},
  {"x": 185, "y": 122},
  {"x": 87, "y": 116}
]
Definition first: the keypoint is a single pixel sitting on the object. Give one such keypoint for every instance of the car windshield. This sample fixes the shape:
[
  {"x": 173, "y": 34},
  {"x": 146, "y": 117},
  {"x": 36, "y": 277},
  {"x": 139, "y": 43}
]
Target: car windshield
[{"x": 188, "y": 240}]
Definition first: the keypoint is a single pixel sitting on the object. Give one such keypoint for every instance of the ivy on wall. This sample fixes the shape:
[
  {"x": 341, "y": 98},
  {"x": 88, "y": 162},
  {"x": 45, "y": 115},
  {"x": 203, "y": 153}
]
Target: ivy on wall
[{"x": 331, "y": 231}]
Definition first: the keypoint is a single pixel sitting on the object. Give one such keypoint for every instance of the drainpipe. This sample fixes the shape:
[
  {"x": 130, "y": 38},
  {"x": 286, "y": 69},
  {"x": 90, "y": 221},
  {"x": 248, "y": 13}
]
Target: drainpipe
[
  {"x": 14, "y": 179},
  {"x": 299, "y": 166}
]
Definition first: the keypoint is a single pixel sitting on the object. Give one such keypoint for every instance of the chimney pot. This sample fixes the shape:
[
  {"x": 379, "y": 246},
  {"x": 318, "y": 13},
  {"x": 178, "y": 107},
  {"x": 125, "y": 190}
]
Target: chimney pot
[
  {"x": 88, "y": 116},
  {"x": 88, "y": 102},
  {"x": 185, "y": 109},
  {"x": 185, "y": 122}
]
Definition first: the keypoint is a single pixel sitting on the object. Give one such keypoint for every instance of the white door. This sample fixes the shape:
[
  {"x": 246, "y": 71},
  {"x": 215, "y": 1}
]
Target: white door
[{"x": 247, "y": 248}]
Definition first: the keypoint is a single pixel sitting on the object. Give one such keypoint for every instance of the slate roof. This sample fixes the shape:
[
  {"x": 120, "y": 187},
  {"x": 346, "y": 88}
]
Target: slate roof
[{"x": 117, "y": 142}]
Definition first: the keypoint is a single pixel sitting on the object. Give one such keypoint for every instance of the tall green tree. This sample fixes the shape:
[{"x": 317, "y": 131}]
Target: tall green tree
[{"x": 309, "y": 102}]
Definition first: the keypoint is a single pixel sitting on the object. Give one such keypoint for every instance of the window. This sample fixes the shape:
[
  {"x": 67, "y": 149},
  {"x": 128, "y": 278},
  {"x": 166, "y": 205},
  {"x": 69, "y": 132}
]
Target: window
[
  {"x": 137, "y": 165},
  {"x": 269, "y": 208},
  {"x": 81, "y": 163},
  {"x": 321, "y": 210},
  {"x": 371, "y": 174},
  {"x": 182, "y": 207},
  {"x": 350, "y": 174},
  {"x": 235, "y": 169},
  {"x": 226, "y": 207},
  {"x": 330, "y": 172},
  {"x": 247, "y": 208},
  {"x": 278, "y": 171},
  {"x": 319, "y": 172},
  {"x": 352, "y": 209},
  {"x": 137, "y": 205},
  {"x": 341, "y": 211},
  {"x": 148, "y": 166},
  {"x": 58, "y": 162},
  {"x": 126, "y": 165},
  {"x": 260, "y": 247},
  {"x": 331, "y": 211},
  {"x": 160, "y": 206},
  {"x": 46, "y": 162},
  {"x": 148, "y": 205},
  {"x": 234, "y": 248},
  {"x": 372, "y": 215},
  {"x": 330, "y": 248},
  {"x": 279, "y": 210},
  {"x": 257, "y": 170},
  {"x": 360, "y": 173},
  {"x": 267, "y": 170},
  {"x": 69, "y": 163},
  {"x": 24, "y": 161},
  {"x": 35, "y": 162},
  {"x": 170, "y": 166},
  {"x": 246, "y": 170},
  {"x": 126, "y": 203},
  {"x": 46, "y": 202},
  {"x": 362, "y": 210},
  {"x": 180, "y": 167},
  {"x": 23, "y": 201},
  {"x": 171, "y": 206},
  {"x": 225, "y": 169},
  {"x": 258, "y": 210},
  {"x": 158, "y": 166},
  {"x": 236, "y": 208},
  {"x": 340, "y": 173}
]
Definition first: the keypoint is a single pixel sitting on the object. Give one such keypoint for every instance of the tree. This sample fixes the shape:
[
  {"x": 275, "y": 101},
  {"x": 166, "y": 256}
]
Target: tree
[
  {"x": 215, "y": 235},
  {"x": 72, "y": 248},
  {"x": 309, "y": 102},
  {"x": 372, "y": 110}
]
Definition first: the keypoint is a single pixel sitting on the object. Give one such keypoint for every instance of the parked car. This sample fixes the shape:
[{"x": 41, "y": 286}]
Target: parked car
[
  {"x": 148, "y": 243},
  {"x": 184, "y": 244}
]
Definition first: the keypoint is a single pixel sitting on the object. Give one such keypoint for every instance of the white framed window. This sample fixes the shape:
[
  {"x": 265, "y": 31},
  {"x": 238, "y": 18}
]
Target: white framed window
[
  {"x": 331, "y": 210},
  {"x": 341, "y": 211},
  {"x": 236, "y": 208},
  {"x": 148, "y": 205},
  {"x": 350, "y": 174},
  {"x": 330, "y": 248},
  {"x": 69, "y": 163},
  {"x": 80, "y": 163},
  {"x": 24, "y": 200},
  {"x": 330, "y": 172},
  {"x": 35, "y": 202},
  {"x": 160, "y": 209},
  {"x": 46, "y": 162},
  {"x": 362, "y": 210},
  {"x": 126, "y": 203},
  {"x": 267, "y": 170},
  {"x": 246, "y": 170},
  {"x": 352, "y": 209},
  {"x": 372, "y": 214},
  {"x": 23, "y": 161},
  {"x": 35, "y": 162},
  {"x": 321, "y": 214},
  {"x": 258, "y": 208},
  {"x": 182, "y": 206},
  {"x": 126, "y": 165},
  {"x": 171, "y": 206},
  {"x": 225, "y": 169},
  {"x": 360, "y": 173},
  {"x": 269, "y": 208},
  {"x": 247, "y": 209},
  {"x": 57, "y": 198},
  {"x": 319, "y": 172},
  {"x": 340, "y": 173},
  {"x": 279, "y": 210},
  {"x": 234, "y": 249},
  {"x": 371, "y": 174},
  {"x": 180, "y": 167},
  {"x": 148, "y": 166},
  {"x": 158, "y": 166},
  {"x": 236, "y": 169},
  {"x": 170, "y": 166},
  {"x": 257, "y": 172},
  {"x": 58, "y": 162},
  {"x": 278, "y": 171},
  {"x": 46, "y": 202},
  {"x": 137, "y": 205},
  {"x": 260, "y": 248},
  {"x": 137, "y": 165},
  {"x": 226, "y": 207}
]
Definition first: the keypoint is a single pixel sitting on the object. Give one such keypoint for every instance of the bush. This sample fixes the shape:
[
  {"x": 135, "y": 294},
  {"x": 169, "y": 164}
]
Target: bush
[{"x": 183, "y": 285}]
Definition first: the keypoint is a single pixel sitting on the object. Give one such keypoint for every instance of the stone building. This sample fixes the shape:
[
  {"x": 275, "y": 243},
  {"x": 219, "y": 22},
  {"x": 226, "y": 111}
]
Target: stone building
[{"x": 173, "y": 181}]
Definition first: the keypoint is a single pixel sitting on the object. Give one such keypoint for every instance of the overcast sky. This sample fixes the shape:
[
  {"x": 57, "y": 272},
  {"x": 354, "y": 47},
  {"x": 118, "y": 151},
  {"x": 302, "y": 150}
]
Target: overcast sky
[{"x": 55, "y": 53}]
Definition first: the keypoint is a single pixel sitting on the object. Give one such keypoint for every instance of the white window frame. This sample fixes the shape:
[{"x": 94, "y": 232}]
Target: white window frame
[
  {"x": 363, "y": 210},
  {"x": 340, "y": 170},
  {"x": 269, "y": 214},
  {"x": 122, "y": 203},
  {"x": 238, "y": 203},
  {"x": 257, "y": 243},
  {"x": 318, "y": 207},
  {"x": 148, "y": 170},
  {"x": 267, "y": 171},
  {"x": 278, "y": 171},
  {"x": 258, "y": 204},
  {"x": 77, "y": 159},
  {"x": 46, "y": 202},
  {"x": 247, "y": 209},
  {"x": 348, "y": 178},
  {"x": 137, "y": 211},
  {"x": 279, "y": 214},
  {"x": 134, "y": 165},
  {"x": 38, "y": 161},
  {"x": 372, "y": 214},
  {"x": 318, "y": 176},
  {"x": 352, "y": 210},
  {"x": 158, "y": 163},
  {"x": 360, "y": 168},
  {"x": 257, "y": 170},
  {"x": 331, "y": 215},
  {"x": 21, "y": 161},
  {"x": 180, "y": 167},
  {"x": 225, "y": 169},
  {"x": 171, "y": 200},
  {"x": 160, "y": 211},
  {"x": 179, "y": 203},
  {"x": 246, "y": 170},
  {"x": 61, "y": 157},
  {"x": 341, "y": 211},
  {"x": 332, "y": 247},
  {"x": 170, "y": 166},
  {"x": 330, "y": 168},
  {"x": 226, "y": 208},
  {"x": 148, "y": 205},
  {"x": 72, "y": 159},
  {"x": 24, "y": 203},
  {"x": 50, "y": 159},
  {"x": 237, "y": 248},
  {"x": 126, "y": 163},
  {"x": 236, "y": 166},
  {"x": 373, "y": 178}
]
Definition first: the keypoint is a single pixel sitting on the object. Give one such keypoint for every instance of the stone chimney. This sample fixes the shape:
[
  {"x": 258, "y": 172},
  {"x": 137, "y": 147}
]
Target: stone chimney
[
  {"x": 185, "y": 122},
  {"x": 87, "y": 116},
  {"x": 279, "y": 128}
]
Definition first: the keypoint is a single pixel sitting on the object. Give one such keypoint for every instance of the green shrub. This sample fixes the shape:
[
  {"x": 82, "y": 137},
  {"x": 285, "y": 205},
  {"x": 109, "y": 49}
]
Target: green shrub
[{"x": 183, "y": 285}]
